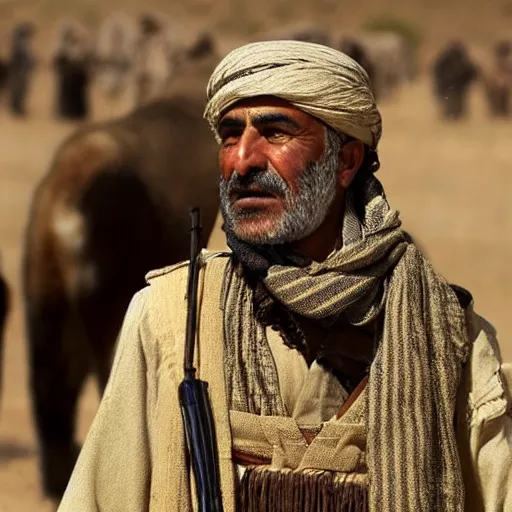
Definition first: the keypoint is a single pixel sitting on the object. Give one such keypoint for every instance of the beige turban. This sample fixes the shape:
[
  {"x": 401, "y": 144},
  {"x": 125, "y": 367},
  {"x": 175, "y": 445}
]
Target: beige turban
[{"x": 322, "y": 82}]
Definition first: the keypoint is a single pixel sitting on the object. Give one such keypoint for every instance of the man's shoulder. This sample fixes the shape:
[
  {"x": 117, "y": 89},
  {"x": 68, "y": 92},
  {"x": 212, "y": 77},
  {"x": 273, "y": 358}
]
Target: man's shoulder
[
  {"x": 488, "y": 379},
  {"x": 179, "y": 271},
  {"x": 160, "y": 308}
]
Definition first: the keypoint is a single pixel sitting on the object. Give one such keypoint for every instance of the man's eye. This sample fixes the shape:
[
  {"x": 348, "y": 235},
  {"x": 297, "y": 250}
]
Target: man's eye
[{"x": 274, "y": 134}]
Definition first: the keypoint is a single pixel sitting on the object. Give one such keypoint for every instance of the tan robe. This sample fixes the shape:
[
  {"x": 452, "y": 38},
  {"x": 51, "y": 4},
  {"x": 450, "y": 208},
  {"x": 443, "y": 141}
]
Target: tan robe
[{"x": 134, "y": 457}]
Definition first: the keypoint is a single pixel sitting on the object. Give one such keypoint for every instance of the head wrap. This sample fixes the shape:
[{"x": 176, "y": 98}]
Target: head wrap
[{"x": 319, "y": 80}]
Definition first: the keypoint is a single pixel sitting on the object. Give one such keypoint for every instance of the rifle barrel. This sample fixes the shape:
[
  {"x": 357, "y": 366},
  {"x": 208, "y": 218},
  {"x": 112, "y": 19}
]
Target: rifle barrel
[{"x": 194, "y": 398}]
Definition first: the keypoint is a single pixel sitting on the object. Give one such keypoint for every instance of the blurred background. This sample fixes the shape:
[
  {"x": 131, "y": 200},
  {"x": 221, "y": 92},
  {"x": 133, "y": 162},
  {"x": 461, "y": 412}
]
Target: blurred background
[{"x": 442, "y": 72}]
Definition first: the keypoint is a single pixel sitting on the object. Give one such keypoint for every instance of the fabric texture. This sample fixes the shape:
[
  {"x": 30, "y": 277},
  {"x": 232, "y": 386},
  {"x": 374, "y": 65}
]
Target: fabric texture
[
  {"x": 134, "y": 456},
  {"x": 264, "y": 489},
  {"x": 319, "y": 80},
  {"x": 251, "y": 374},
  {"x": 422, "y": 346}
]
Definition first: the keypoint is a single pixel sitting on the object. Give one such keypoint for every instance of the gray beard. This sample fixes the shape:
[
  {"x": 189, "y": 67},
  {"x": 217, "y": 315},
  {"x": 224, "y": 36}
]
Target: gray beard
[{"x": 303, "y": 211}]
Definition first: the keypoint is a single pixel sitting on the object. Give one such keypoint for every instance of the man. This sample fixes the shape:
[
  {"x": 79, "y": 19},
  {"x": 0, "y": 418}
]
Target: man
[
  {"x": 4, "y": 311},
  {"x": 4, "y": 75},
  {"x": 72, "y": 65},
  {"x": 498, "y": 81},
  {"x": 152, "y": 64},
  {"x": 113, "y": 54},
  {"x": 453, "y": 74},
  {"x": 21, "y": 66},
  {"x": 344, "y": 372}
]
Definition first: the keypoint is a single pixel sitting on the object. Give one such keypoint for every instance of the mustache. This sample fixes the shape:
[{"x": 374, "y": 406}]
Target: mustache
[{"x": 267, "y": 182}]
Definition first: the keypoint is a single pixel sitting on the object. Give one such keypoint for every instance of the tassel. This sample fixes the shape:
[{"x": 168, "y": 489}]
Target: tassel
[{"x": 266, "y": 490}]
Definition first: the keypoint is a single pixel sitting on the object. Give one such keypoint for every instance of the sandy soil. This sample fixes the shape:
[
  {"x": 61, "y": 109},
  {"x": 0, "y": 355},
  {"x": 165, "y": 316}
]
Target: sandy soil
[{"x": 450, "y": 181}]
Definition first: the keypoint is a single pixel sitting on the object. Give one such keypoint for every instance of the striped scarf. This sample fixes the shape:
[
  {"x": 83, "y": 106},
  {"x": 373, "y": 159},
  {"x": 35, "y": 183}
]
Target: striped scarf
[{"x": 412, "y": 455}]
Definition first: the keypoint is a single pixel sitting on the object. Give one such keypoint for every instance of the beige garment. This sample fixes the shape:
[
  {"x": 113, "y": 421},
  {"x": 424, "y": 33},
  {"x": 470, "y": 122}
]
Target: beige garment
[
  {"x": 338, "y": 446},
  {"x": 134, "y": 456}
]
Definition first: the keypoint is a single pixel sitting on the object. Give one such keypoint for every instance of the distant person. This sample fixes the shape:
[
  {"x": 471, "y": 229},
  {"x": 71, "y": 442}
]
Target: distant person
[
  {"x": 72, "y": 65},
  {"x": 454, "y": 73},
  {"x": 202, "y": 47},
  {"x": 4, "y": 310},
  {"x": 114, "y": 55},
  {"x": 4, "y": 75},
  {"x": 498, "y": 83},
  {"x": 21, "y": 65},
  {"x": 152, "y": 64}
]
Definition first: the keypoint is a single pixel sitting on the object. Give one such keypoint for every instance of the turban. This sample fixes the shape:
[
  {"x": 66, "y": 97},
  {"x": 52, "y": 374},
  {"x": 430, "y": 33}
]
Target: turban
[{"x": 318, "y": 80}]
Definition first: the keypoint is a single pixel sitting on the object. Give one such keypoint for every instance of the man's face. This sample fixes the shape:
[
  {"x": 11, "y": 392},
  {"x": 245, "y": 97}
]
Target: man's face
[{"x": 277, "y": 180}]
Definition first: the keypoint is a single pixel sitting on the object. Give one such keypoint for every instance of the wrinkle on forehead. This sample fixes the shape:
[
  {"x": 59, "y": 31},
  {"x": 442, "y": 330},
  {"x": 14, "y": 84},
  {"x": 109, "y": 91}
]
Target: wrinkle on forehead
[{"x": 267, "y": 110}]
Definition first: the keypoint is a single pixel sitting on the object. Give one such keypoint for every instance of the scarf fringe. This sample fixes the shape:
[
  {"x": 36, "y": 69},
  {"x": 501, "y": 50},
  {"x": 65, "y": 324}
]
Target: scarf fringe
[{"x": 263, "y": 489}]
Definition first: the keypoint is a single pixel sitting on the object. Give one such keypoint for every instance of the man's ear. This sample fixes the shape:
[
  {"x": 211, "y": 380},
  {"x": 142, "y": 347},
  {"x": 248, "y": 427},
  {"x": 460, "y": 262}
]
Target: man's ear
[{"x": 351, "y": 158}]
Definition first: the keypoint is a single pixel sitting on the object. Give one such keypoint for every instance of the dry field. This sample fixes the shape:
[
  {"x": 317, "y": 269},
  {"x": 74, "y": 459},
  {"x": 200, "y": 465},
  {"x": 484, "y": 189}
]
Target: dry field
[{"x": 451, "y": 182}]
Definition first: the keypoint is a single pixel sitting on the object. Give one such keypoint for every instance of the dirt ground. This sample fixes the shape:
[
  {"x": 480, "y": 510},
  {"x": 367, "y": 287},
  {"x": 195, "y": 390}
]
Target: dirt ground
[{"x": 450, "y": 181}]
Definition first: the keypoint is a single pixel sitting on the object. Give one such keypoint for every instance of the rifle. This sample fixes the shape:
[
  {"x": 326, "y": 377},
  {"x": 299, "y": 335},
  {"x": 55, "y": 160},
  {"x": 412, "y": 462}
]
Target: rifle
[{"x": 195, "y": 404}]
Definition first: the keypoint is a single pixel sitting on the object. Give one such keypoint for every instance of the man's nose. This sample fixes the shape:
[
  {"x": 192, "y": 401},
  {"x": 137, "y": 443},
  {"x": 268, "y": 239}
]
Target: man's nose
[{"x": 250, "y": 155}]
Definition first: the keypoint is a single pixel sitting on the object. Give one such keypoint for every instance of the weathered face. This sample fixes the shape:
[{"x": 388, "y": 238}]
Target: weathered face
[{"x": 277, "y": 179}]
